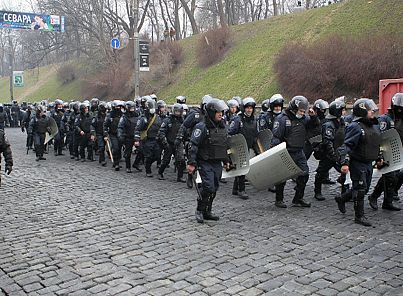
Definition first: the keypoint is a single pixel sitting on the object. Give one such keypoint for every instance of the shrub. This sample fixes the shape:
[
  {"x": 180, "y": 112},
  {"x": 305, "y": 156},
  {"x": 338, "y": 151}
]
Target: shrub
[
  {"x": 66, "y": 73},
  {"x": 212, "y": 46},
  {"x": 339, "y": 66}
]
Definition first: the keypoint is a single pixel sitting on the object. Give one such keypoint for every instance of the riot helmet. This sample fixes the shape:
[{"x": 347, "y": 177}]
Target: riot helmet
[
  {"x": 276, "y": 101},
  {"x": 177, "y": 109},
  {"x": 83, "y": 108},
  {"x": 320, "y": 106},
  {"x": 150, "y": 106},
  {"x": 248, "y": 102},
  {"x": 205, "y": 100},
  {"x": 181, "y": 99},
  {"x": 102, "y": 107},
  {"x": 130, "y": 108},
  {"x": 154, "y": 97},
  {"x": 214, "y": 106},
  {"x": 336, "y": 109},
  {"x": 185, "y": 109},
  {"x": 362, "y": 106},
  {"x": 397, "y": 105},
  {"x": 298, "y": 103},
  {"x": 265, "y": 105},
  {"x": 1, "y": 107}
]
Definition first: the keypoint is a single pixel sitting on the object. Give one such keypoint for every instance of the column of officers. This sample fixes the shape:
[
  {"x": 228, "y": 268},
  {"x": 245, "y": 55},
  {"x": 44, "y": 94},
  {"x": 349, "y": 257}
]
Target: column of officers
[{"x": 199, "y": 138}]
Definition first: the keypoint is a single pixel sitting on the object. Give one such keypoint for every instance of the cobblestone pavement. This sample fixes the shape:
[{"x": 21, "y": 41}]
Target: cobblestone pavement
[{"x": 77, "y": 228}]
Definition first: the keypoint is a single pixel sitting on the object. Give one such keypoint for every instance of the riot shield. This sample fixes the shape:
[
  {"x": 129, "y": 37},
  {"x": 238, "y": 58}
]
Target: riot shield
[
  {"x": 264, "y": 140},
  {"x": 54, "y": 130},
  {"x": 272, "y": 167},
  {"x": 239, "y": 155},
  {"x": 392, "y": 150}
]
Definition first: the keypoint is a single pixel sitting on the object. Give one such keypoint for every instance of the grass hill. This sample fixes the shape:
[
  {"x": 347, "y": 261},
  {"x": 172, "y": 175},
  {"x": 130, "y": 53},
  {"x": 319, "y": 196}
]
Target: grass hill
[{"x": 247, "y": 69}]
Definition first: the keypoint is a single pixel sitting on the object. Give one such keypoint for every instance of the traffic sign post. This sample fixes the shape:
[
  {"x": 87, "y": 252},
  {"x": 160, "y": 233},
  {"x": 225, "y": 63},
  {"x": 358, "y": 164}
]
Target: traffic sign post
[
  {"x": 18, "y": 78},
  {"x": 115, "y": 43}
]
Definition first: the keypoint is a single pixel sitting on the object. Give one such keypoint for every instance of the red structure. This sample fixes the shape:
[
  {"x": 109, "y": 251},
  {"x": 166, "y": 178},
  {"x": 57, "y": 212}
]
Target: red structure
[{"x": 387, "y": 88}]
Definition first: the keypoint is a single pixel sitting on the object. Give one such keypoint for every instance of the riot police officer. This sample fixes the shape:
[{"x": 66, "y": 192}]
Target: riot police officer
[
  {"x": 146, "y": 131},
  {"x": 111, "y": 124},
  {"x": 186, "y": 129},
  {"x": 126, "y": 128},
  {"x": 245, "y": 124},
  {"x": 57, "y": 114},
  {"x": 83, "y": 129},
  {"x": 361, "y": 148},
  {"x": 291, "y": 127},
  {"x": 332, "y": 139},
  {"x": 209, "y": 144},
  {"x": 387, "y": 182},
  {"x": 38, "y": 127},
  {"x": 3, "y": 117},
  {"x": 181, "y": 100},
  {"x": 6, "y": 151},
  {"x": 167, "y": 135},
  {"x": 25, "y": 124},
  {"x": 271, "y": 109},
  {"x": 232, "y": 112},
  {"x": 97, "y": 132}
]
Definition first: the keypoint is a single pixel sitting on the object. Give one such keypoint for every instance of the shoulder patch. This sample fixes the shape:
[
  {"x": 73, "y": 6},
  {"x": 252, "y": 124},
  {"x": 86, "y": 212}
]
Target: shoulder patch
[
  {"x": 197, "y": 133},
  {"x": 362, "y": 132},
  {"x": 329, "y": 132},
  {"x": 288, "y": 122},
  {"x": 197, "y": 115}
]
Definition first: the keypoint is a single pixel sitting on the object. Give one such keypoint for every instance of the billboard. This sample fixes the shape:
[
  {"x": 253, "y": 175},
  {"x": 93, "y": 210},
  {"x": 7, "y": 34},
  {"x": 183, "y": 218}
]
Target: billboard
[{"x": 31, "y": 21}]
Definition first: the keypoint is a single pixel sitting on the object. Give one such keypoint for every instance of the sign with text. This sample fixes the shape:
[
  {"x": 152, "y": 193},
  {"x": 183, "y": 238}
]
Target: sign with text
[
  {"x": 144, "y": 51},
  {"x": 31, "y": 21}
]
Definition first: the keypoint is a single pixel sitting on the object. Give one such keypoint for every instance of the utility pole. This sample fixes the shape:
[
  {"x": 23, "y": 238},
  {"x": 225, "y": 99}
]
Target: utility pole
[
  {"x": 11, "y": 67},
  {"x": 135, "y": 17}
]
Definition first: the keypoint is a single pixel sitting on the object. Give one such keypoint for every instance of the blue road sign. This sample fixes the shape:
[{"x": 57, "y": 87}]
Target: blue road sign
[{"x": 115, "y": 43}]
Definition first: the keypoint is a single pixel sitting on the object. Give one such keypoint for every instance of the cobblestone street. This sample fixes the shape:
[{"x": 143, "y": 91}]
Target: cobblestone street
[{"x": 72, "y": 228}]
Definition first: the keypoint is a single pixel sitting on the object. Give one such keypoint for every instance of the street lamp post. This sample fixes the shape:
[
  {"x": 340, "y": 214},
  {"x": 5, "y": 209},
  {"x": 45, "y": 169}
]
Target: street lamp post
[
  {"x": 10, "y": 67},
  {"x": 136, "y": 82}
]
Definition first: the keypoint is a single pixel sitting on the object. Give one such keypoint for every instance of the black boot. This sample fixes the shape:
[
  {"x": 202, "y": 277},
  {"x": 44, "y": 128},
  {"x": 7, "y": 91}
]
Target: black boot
[
  {"x": 208, "y": 215},
  {"x": 202, "y": 201},
  {"x": 359, "y": 208},
  {"x": 280, "y": 196},
  {"x": 235, "y": 187},
  {"x": 373, "y": 201},
  {"x": 243, "y": 195},
  {"x": 189, "y": 181},
  {"x": 318, "y": 188},
  {"x": 388, "y": 201}
]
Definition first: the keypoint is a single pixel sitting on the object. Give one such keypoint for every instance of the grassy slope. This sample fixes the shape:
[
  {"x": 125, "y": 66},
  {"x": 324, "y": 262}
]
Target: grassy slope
[
  {"x": 37, "y": 87},
  {"x": 247, "y": 67}
]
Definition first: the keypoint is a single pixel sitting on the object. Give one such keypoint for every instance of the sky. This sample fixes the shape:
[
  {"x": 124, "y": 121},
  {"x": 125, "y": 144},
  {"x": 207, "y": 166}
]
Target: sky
[{"x": 16, "y": 5}]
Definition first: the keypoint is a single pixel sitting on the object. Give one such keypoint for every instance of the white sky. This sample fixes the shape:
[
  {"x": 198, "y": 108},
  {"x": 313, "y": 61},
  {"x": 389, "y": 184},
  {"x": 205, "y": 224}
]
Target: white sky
[{"x": 16, "y": 5}]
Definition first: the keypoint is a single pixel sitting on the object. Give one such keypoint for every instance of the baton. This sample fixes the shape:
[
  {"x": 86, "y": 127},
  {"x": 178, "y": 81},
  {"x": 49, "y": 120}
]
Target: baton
[
  {"x": 109, "y": 150},
  {"x": 261, "y": 148},
  {"x": 196, "y": 185}
]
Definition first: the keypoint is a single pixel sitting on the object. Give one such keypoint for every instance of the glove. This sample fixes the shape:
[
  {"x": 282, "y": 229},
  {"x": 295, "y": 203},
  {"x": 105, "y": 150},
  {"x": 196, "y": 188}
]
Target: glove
[
  {"x": 49, "y": 130},
  {"x": 8, "y": 169}
]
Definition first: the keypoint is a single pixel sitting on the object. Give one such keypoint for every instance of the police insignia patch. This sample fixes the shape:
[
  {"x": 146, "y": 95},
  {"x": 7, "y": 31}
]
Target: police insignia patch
[
  {"x": 288, "y": 122},
  {"x": 262, "y": 122},
  {"x": 276, "y": 124},
  {"x": 329, "y": 132},
  {"x": 197, "y": 133},
  {"x": 197, "y": 115},
  {"x": 382, "y": 126}
]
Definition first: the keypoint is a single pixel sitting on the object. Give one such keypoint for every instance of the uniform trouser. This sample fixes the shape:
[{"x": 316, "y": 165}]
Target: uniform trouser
[
  {"x": 101, "y": 148},
  {"x": 85, "y": 142},
  {"x": 127, "y": 154},
  {"x": 76, "y": 143},
  {"x": 399, "y": 182},
  {"x": 170, "y": 150},
  {"x": 116, "y": 149},
  {"x": 58, "y": 144},
  {"x": 29, "y": 141},
  {"x": 239, "y": 184},
  {"x": 39, "y": 141},
  {"x": 210, "y": 173},
  {"x": 299, "y": 158},
  {"x": 386, "y": 184},
  {"x": 14, "y": 120},
  {"x": 151, "y": 150},
  {"x": 361, "y": 175},
  {"x": 139, "y": 155},
  {"x": 70, "y": 136},
  {"x": 322, "y": 172}
]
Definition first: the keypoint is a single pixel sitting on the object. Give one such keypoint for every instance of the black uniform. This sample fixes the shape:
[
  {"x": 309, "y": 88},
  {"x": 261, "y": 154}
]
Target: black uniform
[
  {"x": 126, "y": 128},
  {"x": 6, "y": 150},
  {"x": 3, "y": 118},
  {"x": 57, "y": 115},
  {"x": 167, "y": 135},
  {"x": 83, "y": 130},
  {"x": 111, "y": 131},
  {"x": 97, "y": 130},
  {"x": 38, "y": 127},
  {"x": 149, "y": 124},
  {"x": 209, "y": 144}
]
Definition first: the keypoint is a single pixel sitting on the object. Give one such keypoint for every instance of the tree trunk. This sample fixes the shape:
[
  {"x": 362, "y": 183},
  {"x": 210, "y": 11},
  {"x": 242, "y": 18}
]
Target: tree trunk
[
  {"x": 191, "y": 17},
  {"x": 220, "y": 8}
]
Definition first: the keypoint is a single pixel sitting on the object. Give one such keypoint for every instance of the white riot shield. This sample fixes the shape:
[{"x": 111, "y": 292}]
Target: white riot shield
[
  {"x": 264, "y": 140},
  {"x": 239, "y": 155},
  {"x": 392, "y": 150},
  {"x": 272, "y": 167},
  {"x": 54, "y": 130}
]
